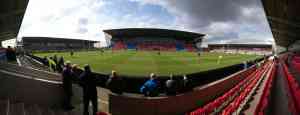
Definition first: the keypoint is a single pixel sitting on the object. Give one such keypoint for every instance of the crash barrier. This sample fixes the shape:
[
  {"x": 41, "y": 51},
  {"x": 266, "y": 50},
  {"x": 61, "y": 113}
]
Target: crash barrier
[
  {"x": 179, "y": 104},
  {"x": 133, "y": 84},
  {"x": 17, "y": 84}
]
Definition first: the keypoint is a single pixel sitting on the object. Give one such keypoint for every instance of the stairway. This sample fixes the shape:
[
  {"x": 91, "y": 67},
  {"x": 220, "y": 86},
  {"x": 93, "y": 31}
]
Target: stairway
[{"x": 29, "y": 62}]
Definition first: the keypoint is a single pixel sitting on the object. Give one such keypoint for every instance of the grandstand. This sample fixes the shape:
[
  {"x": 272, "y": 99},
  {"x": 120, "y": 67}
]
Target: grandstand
[
  {"x": 153, "y": 39},
  {"x": 55, "y": 44},
  {"x": 258, "y": 49},
  {"x": 268, "y": 88}
]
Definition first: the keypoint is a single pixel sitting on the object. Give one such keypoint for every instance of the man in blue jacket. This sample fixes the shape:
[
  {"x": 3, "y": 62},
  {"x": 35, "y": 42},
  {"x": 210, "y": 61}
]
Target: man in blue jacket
[{"x": 150, "y": 87}]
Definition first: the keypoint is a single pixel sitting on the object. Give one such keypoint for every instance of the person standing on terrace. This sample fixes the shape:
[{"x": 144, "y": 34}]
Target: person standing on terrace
[
  {"x": 60, "y": 64},
  {"x": 52, "y": 64},
  {"x": 67, "y": 85},
  {"x": 89, "y": 85}
]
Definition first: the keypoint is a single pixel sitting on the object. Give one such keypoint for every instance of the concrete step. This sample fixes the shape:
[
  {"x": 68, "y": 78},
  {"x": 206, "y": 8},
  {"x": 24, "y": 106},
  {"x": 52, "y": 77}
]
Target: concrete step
[
  {"x": 16, "y": 109},
  {"x": 76, "y": 111},
  {"x": 47, "y": 111},
  {"x": 4, "y": 107},
  {"x": 60, "y": 112},
  {"x": 32, "y": 110}
]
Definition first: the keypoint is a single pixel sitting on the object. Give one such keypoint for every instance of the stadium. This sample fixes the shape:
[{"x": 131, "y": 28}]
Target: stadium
[
  {"x": 163, "y": 51},
  {"x": 150, "y": 71},
  {"x": 39, "y": 43},
  {"x": 153, "y": 39},
  {"x": 258, "y": 49}
]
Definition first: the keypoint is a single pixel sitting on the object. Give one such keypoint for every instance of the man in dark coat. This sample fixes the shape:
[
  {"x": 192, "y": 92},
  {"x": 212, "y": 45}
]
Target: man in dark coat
[
  {"x": 10, "y": 54},
  {"x": 45, "y": 61},
  {"x": 186, "y": 85},
  {"x": 67, "y": 85},
  {"x": 115, "y": 83},
  {"x": 88, "y": 82},
  {"x": 171, "y": 86},
  {"x": 76, "y": 71},
  {"x": 55, "y": 59},
  {"x": 60, "y": 64}
]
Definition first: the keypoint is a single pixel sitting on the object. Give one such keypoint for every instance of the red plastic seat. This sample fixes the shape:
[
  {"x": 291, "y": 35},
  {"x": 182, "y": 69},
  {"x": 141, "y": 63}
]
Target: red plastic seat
[{"x": 102, "y": 113}]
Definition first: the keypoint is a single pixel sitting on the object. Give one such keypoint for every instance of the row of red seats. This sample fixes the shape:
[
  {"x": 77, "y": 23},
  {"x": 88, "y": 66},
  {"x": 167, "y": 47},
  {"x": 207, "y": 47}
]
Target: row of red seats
[
  {"x": 296, "y": 62},
  {"x": 119, "y": 46},
  {"x": 150, "y": 46},
  {"x": 235, "y": 104},
  {"x": 190, "y": 47},
  {"x": 293, "y": 87},
  {"x": 167, "y": 46},
  {"x": 264, "y": 100},
  {"x": 210, "y": 107},
  {"x": 296, "y": 59}
]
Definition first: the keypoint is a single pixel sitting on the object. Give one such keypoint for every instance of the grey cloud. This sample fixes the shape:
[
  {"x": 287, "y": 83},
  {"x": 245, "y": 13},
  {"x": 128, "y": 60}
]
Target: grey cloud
[
  {"x": 204, "y": 12},
  {"x": 199, "y": 15}
]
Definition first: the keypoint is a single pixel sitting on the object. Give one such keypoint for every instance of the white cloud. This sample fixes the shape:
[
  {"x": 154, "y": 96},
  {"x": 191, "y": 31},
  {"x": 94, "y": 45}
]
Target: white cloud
[
  {"x": 60, "y": 18},
  {"x": 85, "y": 19}
]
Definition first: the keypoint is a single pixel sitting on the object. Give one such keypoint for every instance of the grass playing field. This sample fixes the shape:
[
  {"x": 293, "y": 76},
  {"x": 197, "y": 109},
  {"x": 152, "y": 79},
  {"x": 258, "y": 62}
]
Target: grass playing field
[{"x": 142, "y": 63}]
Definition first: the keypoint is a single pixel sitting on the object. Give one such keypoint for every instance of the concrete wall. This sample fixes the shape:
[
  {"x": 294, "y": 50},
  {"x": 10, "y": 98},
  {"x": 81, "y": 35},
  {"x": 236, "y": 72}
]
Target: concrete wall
[
  {"x": 21, "y": 88},
  {"x": 176, "y": 105}
]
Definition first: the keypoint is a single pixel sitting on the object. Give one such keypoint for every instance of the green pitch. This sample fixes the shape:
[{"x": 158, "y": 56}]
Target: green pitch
[{"x": 142, "y": 63}]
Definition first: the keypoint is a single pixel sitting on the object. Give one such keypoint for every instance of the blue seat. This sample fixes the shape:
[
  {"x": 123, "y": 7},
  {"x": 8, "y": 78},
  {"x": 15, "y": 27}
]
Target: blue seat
[
  {"x": 131, "y": 46},
  {"x": 179, "y": 46}
]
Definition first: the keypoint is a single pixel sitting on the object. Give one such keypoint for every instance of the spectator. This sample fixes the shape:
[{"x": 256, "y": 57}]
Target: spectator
[
  {"x": 186, "y": 84},
  {"x": 10, "y": 54},
  {"x": 67, "y": 86},
  {"x": 245, "y": 64},
  {"x": 88, "y": 82},
  {"x": 76, "y": 72},
  {"x": 150, "y": 87},
  {"x": 55, "y": 59},
  {"x": 60, "y": 64},
  {"x": 45, "y": 61},
  {"x": 52, "y": 64},
  {"x": 171, "y": 86},
  {"x": 115, "y": 83}
]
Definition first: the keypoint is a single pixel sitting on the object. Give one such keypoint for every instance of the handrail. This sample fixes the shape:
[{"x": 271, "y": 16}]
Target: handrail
[
  {"x": 234, "y": 106},
  {"x": 29, "y": 77},
  {"x": 222, "y": 99},
  {"x": 30, "y": 72}
]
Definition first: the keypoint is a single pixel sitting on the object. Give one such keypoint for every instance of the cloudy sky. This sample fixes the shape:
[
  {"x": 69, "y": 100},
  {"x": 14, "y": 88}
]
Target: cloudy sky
[{"x": 224, "y": 21}]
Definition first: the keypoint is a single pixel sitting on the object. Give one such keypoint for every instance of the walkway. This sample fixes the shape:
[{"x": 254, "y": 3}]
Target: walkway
[{"x": 279, "y": 95}]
